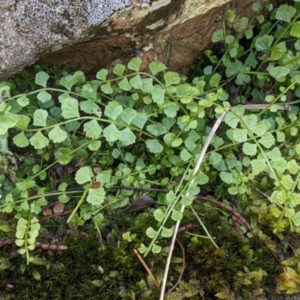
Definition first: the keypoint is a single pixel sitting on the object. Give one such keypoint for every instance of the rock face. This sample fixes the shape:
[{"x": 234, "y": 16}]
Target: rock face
[{"x": 90, "y": 34}]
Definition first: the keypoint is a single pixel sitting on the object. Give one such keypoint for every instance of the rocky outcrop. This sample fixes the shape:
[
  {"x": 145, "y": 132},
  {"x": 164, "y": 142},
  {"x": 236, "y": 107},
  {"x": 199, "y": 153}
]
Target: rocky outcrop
[{"x": 90, "y": 34}]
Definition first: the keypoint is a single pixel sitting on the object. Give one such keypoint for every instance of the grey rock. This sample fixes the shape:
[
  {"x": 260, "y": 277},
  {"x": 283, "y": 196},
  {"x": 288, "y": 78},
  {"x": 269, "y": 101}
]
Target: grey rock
[
  {"x": 30, "y": 28},
  {"x": 141, "y": 202}
]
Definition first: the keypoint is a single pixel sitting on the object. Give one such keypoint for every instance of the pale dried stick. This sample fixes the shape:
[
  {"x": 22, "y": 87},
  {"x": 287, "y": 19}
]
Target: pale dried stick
[
  {"x": 196, "y": 169},
  {"x": 146, "y": 267}
]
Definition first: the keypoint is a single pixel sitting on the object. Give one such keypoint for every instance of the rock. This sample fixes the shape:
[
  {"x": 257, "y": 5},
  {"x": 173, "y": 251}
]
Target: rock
[{"x": 91, "y": 34}]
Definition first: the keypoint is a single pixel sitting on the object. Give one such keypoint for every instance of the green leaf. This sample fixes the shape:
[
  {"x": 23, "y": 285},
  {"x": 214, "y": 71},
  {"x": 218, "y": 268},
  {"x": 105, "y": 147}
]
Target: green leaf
[
  {"x": 159, "y": 215},
  {"x": 41, "y": 78},
  {"x": 25, "y": 185},
  {"x": 293, "y": 167},
  {"x": 89, "y": 106},
  {"x": 231, "y": 119},
  {"x": 128, "y": 115},
  {"x": 260, "y": 19},
  {"x": 234, "y": 67},
  {"x": 102, "y": 74},
  {"x": 158, "y": 95},
  {"x": 285, "y": 13},
  {"x": 256, "y": 6},
  {"x": 154, "y": 146},
  {"x": 136, "y": 82},
  {"x": 280, "y": 165},
  {"x": 68, "y": 81},
  {"x": 84, "y": 175},
  {"x": 104, "y": 176},
  {"x": 226, "y": 177},
  {"x": 186, "y": 100},
  {"x": 280, "y": 136},
  {"x": 185, "y": 155},
  {"x": 89, "y": 91},
  {"x": 39, "y": 141},
  {"x": 156, "y": 129},
  {"x": 92, "y": 129},
  {"x": 194, "y": 190},
  {"x": 96, "y": 196},
  {"x": 142, "y": 249},
  {"x": 264, "y": 42},
  {"x": 287, "y": 182},
  {"x": 106, "y": 88},
  {"x": 156, "y": 249},
  {"x": 208, "y": 70},
  {"x": 296, "y": 219},
  {"x": 278, "y": 51},
  {"x": 23, "y": 122},
  {"x": 170, "y": 197},
  {"x": 113, "y": 109},
  {"x": 20, "y": 140},
  {"x": 156, "y": 67},
  {"x": 57, "y": 135},
  {"x": 187, "y": 200},
  {"x": 258, "y": 165},
  {"x": 23, "y": 101},
  {"x": 215, "y": 158},
  {"x": 240, "y": 135},
  {"x": 168, "y": 138},
  {"x": 267, "y": 140},
  {"x": 168, "y": 122},
  {"x": 176, "y": 142},
  {"x": 215, "y": 80},
  {"x": 242, "y": 79},
  {"x": 176, "y": 215},
  {"x": 147, "y": 85},
  {"x": 278, "y": 197},
  {"x": 73, "y": 125},
  {"x": 249, "y": 149},
  {"x": 249, "y": 34},
  {"x": 21, "y": 229},
  {"x": 127, "y": 137},
  {"x": 295, "y": 29},
  {"x": 140, "y": 120},
  {"x": 7, "y": 120},
  {"x": 135, "y": 64},
  {"x": 69, "y": 106},
  {"x": 167, "y": 232},
  {"x": 119, "y": 69},
  {"x": 79, "y": 75},
  {"x": 151, "y": 233},
  {"x": 201, "y": 179},
  {"x": 34, "y": 230},
  {"x": 171, "y": 110},
  {"x": 278, "y": 72},
  {"x": 64, "y": 198},
  {"x": 5, "y": 91},
  {"x": 218, "y": 36},
  {"x": 6, "y": 229},
  {"x": 260, "y": 128},
  {"x": 125, "y": 85},
  {"x": 43, "y": 96},
  {"x": 94, "y": 145},
  {"x": 19, "y": 242},
  {"x": 229, "y": 15},
  {"x": 3, "y": 128},
  {"x": 274, "y": 154},
  {"x": 64, "y": 156},
  {"x": 40, "y": 118},
  {"x": 171, "y": 78},
  {"x": 111, "y": 133}
]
